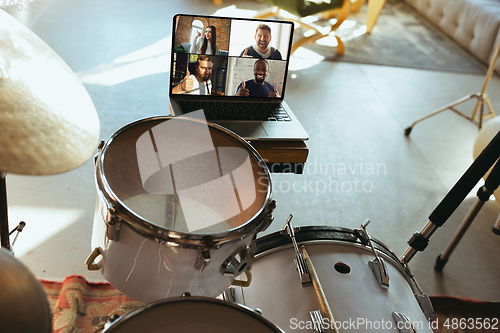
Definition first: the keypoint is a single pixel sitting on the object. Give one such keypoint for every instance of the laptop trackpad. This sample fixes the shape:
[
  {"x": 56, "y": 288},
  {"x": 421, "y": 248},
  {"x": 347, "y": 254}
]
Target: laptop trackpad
[{"x": 247, "y": 130}]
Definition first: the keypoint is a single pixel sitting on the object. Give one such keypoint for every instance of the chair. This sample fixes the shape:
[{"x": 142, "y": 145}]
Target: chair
[
  {"x": 373, "y": 11},
  {"x": 303, "y": 8}
]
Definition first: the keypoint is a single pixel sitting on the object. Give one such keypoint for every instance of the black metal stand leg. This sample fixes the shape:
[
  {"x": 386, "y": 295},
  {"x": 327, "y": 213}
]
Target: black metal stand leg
[
  {"x": 496, "y": 227},
  {"x": 483, "y": 194},
  {"x": 4, "y": 222},
  {"x": 442, "y": 259},
  {"x": 488, "y": 157}
]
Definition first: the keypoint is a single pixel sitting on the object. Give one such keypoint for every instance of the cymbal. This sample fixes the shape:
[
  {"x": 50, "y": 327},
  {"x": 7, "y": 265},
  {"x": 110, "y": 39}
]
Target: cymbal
[
  {"x": 48, "y": 123},
  {"x": 23, "y": 303}
]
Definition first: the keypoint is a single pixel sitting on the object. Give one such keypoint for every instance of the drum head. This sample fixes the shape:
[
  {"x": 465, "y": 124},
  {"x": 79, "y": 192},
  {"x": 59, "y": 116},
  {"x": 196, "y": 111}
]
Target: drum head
[
  {"x": 277, "y": 240},
  {"x": 185, "y": 175},
  {"x": 192, "y": 315}
]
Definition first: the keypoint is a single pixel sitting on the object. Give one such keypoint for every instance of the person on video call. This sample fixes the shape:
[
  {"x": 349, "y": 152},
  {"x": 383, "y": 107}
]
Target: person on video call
[
  {"x": 198, "y": 83},
  {"x": 258, "y": 87},
  {"x": 262, "y": 49},
  {"x": 206, "y": 44}
]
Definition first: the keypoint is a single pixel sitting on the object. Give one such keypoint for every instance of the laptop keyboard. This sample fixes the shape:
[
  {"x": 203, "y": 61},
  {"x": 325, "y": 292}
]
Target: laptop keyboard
[{"x": 226, "y": 110}]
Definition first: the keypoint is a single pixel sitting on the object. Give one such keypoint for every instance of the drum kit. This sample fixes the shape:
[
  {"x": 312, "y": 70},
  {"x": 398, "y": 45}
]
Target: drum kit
[{"x": 180, "y": 202}]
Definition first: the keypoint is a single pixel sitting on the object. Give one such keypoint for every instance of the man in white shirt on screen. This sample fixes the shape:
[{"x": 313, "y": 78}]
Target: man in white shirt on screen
[
  {"x": 198, "y": 83},
  {"x": 262, "y": 49}
]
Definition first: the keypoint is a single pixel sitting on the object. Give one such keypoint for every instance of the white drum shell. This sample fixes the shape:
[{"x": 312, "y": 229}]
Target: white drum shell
[
  {"x": 356, "y": 299},
  {"x": 147, "y": 270},
  {"x": 145, "y": 257}
]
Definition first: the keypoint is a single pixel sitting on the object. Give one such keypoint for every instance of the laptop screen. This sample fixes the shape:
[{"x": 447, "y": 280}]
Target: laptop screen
[{"x": 229, "y": 57}]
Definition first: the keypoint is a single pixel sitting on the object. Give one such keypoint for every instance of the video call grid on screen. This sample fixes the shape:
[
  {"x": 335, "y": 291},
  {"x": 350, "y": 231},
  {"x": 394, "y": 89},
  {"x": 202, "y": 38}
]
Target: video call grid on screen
[{"x": 231, "y": 64}]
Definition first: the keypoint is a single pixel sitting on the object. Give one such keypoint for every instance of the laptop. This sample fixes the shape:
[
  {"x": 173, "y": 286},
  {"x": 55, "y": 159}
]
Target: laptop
[{"x": 217, "y": 65}]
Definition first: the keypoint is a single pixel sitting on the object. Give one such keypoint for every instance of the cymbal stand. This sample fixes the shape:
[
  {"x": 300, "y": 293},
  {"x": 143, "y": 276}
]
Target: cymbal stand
[
  {"x": 4, "y": 222},
  {"x": 483, "y": 194},
  {"x": 485, "y": 160},
  {"x": 19, "y": 228},
  {"x": 482, "y": 98},
  {"x": 4, "y": 219}
]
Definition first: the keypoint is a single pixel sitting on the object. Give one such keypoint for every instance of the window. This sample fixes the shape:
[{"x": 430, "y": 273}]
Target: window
[{"x": 196, "y": 27}]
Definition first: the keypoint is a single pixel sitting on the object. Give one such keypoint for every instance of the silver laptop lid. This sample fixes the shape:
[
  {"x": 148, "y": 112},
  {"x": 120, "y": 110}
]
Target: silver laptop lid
[{"x": 222, "y": 58}]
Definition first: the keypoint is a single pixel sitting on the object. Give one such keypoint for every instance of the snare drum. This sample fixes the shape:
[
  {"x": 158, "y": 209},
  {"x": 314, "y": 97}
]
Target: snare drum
[
  {"x": 179, "y": 204},
  {"x": 192, "y": 315},
  {"x": 357, "y": 301}
]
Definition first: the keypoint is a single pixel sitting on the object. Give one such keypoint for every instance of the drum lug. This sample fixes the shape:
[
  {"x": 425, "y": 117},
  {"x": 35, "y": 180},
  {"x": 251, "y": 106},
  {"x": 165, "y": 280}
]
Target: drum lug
[
  {"x": 377, "y": 265},
  {"x": 237, "y": 262},
  {"x": 229, "y": 295},
  {"x": 203, "y": 259},
  {"x": 422, "y": 299},
  {"x": 99, "y": 148},
  {"x": 426, "y": 306},
  {"x": 269, "y": 218},
  {"x": 380, "y": 270},
  {"x": 113, "y": 231},
  {"x": 107, "y": 214},
  {"x": 403, "y": 323},
  {"x": 112, "y": 224},
  {"x": 300, "y": 264},
  {"x": 318, "y": 321}
]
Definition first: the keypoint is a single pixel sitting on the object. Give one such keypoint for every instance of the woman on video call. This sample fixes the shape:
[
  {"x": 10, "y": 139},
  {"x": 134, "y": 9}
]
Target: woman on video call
[{"x": 206, "y": 44}]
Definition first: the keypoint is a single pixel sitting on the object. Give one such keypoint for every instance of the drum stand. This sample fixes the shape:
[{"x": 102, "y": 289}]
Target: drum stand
[
  {"x": 483, "y": 194},
  {"x": 482, "y": 98},
  {"x": 4, "y": 220},
  {"x": 452, "y": 200}
]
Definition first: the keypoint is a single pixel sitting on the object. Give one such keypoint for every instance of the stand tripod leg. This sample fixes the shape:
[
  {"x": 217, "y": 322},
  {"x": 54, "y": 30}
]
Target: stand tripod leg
[
  {"x": 490, "y": 107},
  {"x": 496, "y": 227},
  {"x": 444, "y": 108},
  {"x": 483, "y": 194},
  {"x": 481, "y": 112},
  {"x": 442, "y": 259},
  {"x": 481, "y": 96}
]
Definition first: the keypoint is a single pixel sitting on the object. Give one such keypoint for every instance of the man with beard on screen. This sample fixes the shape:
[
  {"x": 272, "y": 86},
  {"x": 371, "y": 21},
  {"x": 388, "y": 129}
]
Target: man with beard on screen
[
  {"x": 198, "y": 83},
  {"x": 258, "y": 87},
  {"x": 262, "y": 49}
]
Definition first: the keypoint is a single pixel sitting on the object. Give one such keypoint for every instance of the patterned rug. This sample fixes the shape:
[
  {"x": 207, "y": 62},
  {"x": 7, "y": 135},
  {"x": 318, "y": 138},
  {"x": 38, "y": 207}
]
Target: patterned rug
[
  {"x": 79, "y": 306},
  {"x": 402, "y": 38}
]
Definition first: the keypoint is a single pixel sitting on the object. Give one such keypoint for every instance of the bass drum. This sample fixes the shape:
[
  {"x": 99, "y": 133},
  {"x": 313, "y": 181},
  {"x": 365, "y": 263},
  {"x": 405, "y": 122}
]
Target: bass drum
[
  {"x": 192, "y": 315},
  {"x": 357, "y": 301}
]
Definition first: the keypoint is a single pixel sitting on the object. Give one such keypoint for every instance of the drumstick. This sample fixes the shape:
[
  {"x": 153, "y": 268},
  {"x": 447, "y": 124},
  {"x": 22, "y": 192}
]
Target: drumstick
[{"x": 319, "y": 290}]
